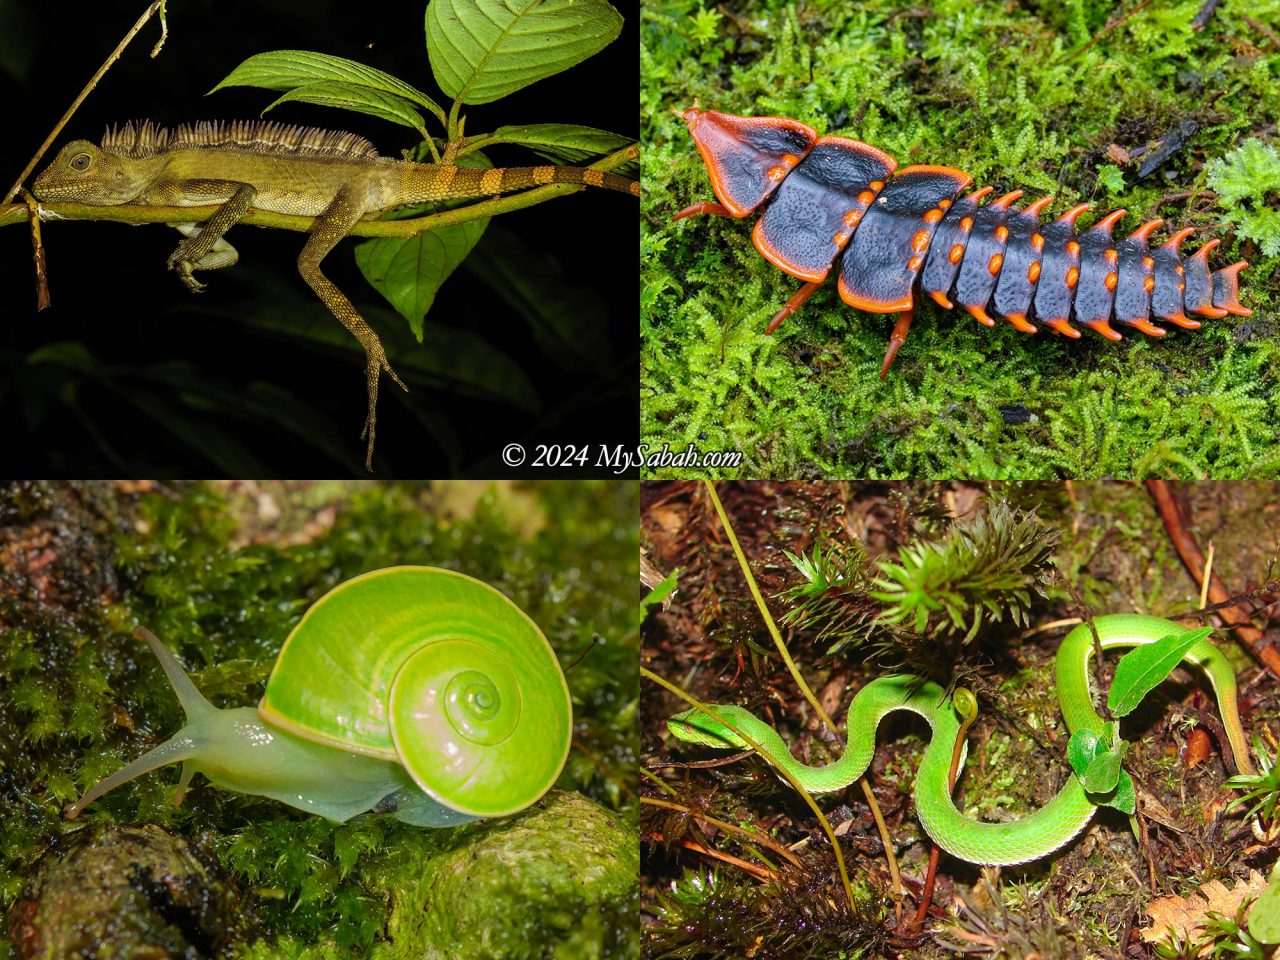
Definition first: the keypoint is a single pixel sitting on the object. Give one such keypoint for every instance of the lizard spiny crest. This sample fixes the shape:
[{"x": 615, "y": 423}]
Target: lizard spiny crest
[{"x": 146, "y": 139}]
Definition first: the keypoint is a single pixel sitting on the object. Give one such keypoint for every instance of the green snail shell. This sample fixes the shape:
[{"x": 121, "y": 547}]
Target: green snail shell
[{"x": 437, "y": 671}]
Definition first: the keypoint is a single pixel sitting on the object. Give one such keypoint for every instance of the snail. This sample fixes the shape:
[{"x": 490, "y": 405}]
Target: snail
[{"x": 411, "y": 690}]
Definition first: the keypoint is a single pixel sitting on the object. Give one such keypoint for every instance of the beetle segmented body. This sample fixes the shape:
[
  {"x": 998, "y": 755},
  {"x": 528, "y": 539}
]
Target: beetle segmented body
[{"x": 898, "y": 231}]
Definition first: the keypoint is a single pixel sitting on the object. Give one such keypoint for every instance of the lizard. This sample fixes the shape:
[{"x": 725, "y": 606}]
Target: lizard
[{"x": 336, "y": 177}]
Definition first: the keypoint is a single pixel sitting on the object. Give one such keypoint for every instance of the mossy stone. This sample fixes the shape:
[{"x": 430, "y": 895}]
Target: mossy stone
[{"x": 565, "y": 869}]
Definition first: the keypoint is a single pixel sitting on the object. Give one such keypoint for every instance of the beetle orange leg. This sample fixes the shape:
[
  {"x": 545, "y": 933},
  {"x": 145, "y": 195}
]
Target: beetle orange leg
[
  {"x": 896, "y": 339},
  {"x": 702, "y": 206},
  {"x": 795, "y": 303}
]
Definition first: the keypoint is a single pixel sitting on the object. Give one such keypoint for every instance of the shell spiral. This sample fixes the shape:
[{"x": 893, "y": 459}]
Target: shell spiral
[{"x": 437, "y": 671}]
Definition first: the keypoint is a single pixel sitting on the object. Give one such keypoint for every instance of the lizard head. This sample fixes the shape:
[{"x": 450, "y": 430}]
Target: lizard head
[{"x": 83, "y": 172}]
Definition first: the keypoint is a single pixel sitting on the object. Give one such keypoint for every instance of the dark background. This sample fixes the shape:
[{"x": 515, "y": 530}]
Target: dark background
[{"x": 168, "y": 383}]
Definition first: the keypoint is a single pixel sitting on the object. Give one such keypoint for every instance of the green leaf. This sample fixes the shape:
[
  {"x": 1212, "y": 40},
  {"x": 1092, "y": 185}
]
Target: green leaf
[
  {"x": 1111, "y": 178},
  {"x": 350, "y": 96},
  {"x": 660, "y": 593},
  {"x": 1264, "y": 915},
  {"x": 1124, "y": 798},
  {"x": 287, "y": 69},
  {"x": 409, "y": 270},
  {"x": 482, "y": 50},
  {"x": 1096, "y": 758},
  {"x": 66, "y": 353},
  {"x": 562, "y": 142},
  {"x": 1144, "y": 668}
]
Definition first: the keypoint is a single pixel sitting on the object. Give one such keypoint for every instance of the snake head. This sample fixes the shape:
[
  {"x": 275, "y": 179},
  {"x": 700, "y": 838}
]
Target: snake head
[{"x": 695, "y": 726}]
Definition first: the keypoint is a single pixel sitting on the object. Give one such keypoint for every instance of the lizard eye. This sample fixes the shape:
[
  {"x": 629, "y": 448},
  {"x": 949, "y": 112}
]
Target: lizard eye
[{"x": 81, "y": 162}]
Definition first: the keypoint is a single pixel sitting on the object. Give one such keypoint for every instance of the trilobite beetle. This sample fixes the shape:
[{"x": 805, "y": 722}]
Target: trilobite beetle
[{"x": 898, "y": 231}]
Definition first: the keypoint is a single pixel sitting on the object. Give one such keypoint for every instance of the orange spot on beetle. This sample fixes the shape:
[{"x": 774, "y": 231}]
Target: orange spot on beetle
[
  {"x": 956, "y": 253},
  {"x": 865, "y": 198},
  {"x": 852, "y": 217},
  {"x": 1112, "y": 257},
  {"x": 966, "y": 224},
  {"x": 1002, "y": 234},
  {"x": 994, "y": 264},
  {"x": 1037, "y": 242},
  {"x": 1033, "y": 272},
  {"x": 1072, "y": 276},
  {"x": 1073, "y": 248},
  {"x": 915, "y": 263},
  {"x": 1110, "y": 282},
  {"x": 944, "y": 204},
  {"x": 876, "y": 185},
  {"x": 841, "y": 238},
  {"x": 1148, "y": 262},
  {"x": 920, "y": 242},
  {"x": 777, "y": 173},
  {"x": 1149, "y": 284},
  {"x": 933, "y": 216}
]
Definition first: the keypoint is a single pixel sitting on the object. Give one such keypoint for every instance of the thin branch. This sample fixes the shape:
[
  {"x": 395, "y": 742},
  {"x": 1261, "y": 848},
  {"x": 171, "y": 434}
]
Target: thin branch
[
  {"x": 88, "y": 88},
  {"x": 136, "y": 213},
  {"x": 750, "y": 835}
]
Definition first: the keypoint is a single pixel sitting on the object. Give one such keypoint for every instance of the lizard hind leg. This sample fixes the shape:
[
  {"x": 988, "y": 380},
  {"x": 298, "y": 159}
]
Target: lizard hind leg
[{"x": 330, "y": 227}]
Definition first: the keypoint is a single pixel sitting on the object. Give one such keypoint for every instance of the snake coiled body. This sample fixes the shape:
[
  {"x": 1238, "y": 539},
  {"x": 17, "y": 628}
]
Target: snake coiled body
[{"x": 1017, "y": 841}]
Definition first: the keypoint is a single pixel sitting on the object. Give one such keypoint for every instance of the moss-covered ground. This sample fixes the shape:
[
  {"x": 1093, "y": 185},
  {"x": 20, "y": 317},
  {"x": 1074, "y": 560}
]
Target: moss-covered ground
[
  {"x": 1051, "y": 98},
  {"x": 221, "y": 573},
  {"x": 718, "y": 829}
]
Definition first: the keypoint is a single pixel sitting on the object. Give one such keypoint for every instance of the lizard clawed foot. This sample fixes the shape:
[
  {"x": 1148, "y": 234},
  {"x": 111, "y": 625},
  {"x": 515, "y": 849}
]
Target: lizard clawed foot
[
  {"x": 386, "y": 366},
  {"x": 188, "y": 278},
  {"x": 377, "y": 364}
]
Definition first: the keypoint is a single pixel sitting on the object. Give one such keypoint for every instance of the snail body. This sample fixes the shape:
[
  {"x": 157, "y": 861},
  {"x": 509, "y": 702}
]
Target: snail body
[{"x": 411, "y": 690}]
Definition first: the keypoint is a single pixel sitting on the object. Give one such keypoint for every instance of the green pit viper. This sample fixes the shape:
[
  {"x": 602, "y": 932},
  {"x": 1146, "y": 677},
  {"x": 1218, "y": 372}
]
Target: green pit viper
[{"x": 1018, "y": 841}]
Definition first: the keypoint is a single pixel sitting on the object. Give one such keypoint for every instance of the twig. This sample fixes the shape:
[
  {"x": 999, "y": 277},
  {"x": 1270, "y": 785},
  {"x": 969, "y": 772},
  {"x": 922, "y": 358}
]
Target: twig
[
  {"x": 134, "y": 213},
  {"x": 1107, "y": 29},
  {"x": 88, "y": 88},
  {"x": 1263, "y": 29},
  {"x": 37, "y": 253},
  {"x": 774, "y": 762},
  {"x": 1201, "y": 18},
  {"x": 887, "y": 841},
  {"x": 1206, "y": 577},
  {"x": 1194, "y": 561},
  {"x": 760, "y": 873},
  {"x": 764, "y": 609},
  {"x": 727, "y": 828}
]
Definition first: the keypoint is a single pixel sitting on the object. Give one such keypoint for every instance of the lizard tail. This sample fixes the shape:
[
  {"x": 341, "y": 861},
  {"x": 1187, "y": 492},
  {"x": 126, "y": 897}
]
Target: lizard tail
[{"x": 430, "y": 181}]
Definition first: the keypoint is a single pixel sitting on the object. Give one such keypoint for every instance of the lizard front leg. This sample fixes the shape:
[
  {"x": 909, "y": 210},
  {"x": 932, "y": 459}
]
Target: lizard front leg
[
  {"x": 194, "y": 252},
  {"x": 221, "y": 255},
  {"x": 330, "y": 227}
]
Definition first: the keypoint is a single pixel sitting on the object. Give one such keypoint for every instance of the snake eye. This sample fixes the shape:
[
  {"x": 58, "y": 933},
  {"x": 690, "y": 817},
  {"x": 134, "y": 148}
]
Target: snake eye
[{"x": 81, "y": 162}]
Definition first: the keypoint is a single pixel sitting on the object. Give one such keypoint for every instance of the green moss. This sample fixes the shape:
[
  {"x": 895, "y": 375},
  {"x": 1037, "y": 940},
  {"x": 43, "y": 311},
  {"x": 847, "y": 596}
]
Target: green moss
[
  {"x": 1020, "y": 96},
  {"x": 82, "y": 696}
]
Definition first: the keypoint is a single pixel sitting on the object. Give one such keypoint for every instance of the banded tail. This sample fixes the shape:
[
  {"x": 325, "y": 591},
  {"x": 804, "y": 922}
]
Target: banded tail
[{"x": 433, "y": 181}]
